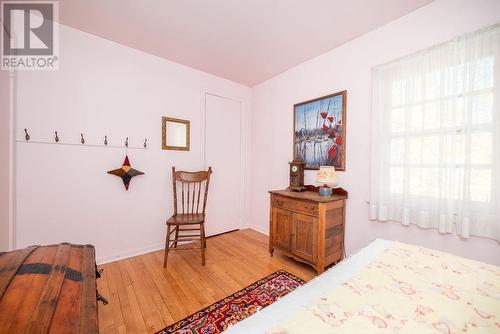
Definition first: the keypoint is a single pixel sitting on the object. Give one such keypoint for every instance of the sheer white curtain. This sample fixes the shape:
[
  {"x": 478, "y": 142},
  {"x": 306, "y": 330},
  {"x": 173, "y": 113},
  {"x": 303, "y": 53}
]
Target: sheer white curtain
[{"x": 436, "y": 137}]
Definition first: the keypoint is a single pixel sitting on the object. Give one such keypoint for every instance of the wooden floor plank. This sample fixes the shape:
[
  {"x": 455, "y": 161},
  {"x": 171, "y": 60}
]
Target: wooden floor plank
[
  {"x": 156, "y": 298},
  {"x": 105, "y": 314},
  {"x": 113, "y": 277},
  {"x": 144, "y": 297},
  {"x": 171, "y": 296}
]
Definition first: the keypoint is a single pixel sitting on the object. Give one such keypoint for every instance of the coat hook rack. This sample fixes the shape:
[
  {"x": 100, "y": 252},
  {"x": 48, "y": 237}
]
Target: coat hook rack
[{"x": 81, "y": 141}]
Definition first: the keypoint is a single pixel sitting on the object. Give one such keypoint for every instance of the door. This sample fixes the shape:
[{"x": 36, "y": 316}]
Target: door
[
  {"x": 223, "y": 152},
  {"x": 282, "y": 229},
  {"x": 304, "y": 237}
]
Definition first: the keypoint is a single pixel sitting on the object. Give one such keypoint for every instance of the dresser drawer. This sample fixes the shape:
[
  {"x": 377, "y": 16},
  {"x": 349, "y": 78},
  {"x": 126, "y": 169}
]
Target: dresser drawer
[{"x": 295, "y": 205}]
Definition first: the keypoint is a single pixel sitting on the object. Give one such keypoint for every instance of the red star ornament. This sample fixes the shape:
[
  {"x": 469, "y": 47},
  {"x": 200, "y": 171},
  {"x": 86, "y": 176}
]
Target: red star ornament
[{"x": 126, "y": 172}]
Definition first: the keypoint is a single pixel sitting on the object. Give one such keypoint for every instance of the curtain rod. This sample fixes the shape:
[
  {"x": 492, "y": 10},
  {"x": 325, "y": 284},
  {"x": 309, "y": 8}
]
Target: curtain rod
[{"x": 486, "y": 29}]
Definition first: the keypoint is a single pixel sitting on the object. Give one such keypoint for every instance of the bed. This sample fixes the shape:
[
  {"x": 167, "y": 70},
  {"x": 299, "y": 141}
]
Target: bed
[{"x": 389, "y": 287}]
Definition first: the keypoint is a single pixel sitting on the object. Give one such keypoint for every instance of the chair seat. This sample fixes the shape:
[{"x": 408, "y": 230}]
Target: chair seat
[{"x": 186, "y": 219}]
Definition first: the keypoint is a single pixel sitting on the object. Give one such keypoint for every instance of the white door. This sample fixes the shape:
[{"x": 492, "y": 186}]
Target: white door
[{"x": 223, "y": 153}]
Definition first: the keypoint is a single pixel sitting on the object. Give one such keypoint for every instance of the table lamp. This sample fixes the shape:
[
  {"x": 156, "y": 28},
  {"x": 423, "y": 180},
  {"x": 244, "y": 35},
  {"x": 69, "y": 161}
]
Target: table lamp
[{"x": 326, "y": 178}]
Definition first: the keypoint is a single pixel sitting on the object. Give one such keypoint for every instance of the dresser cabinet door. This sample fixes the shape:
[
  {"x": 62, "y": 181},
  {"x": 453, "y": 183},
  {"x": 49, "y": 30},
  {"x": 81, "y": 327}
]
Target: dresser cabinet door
[
  {"x": 304, "y": 237},
  {"x": 282, "y": 228}
]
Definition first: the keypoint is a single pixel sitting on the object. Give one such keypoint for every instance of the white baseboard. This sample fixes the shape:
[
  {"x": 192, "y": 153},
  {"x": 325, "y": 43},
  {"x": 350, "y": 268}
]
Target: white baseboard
[
  {"x": 131, "y": 253},
  {"x": 145, "y": 250},
  {"x": 266, "y": 232}
]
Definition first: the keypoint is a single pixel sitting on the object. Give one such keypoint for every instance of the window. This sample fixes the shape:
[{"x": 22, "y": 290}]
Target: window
[{"x": 435, "y": 137}]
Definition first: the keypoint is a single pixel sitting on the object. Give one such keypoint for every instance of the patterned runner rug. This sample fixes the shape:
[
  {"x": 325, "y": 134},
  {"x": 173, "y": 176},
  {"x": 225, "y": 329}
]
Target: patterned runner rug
[{"x": 238, "y": 306}]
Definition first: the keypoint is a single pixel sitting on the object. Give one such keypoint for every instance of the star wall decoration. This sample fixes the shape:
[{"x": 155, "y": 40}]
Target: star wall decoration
[{"x": 126, "y": 172}]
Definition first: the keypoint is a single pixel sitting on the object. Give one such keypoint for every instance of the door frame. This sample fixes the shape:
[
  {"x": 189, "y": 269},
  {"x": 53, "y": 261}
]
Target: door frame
[
  {"x": 8, "y": 107},
  {"x": 243, "y": 144}
]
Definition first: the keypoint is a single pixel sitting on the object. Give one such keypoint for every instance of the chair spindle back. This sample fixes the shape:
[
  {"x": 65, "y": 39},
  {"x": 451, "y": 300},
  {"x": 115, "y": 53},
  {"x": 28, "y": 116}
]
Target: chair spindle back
[{"x": 192, "y": 185}]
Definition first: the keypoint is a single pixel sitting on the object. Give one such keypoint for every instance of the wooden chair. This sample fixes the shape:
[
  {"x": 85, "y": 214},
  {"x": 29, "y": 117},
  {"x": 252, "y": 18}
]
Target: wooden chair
[{"x": 192, "y": 184}]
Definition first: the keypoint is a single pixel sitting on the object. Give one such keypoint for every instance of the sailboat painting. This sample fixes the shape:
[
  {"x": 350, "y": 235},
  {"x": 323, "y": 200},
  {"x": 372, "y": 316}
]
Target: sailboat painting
[{"x": 319, "y": 131}]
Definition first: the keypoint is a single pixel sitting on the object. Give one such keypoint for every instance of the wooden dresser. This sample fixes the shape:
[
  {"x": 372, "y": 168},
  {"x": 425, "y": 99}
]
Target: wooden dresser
[
  {"x": 49, "y": 289},
  {"x": 308, "y": 227}
]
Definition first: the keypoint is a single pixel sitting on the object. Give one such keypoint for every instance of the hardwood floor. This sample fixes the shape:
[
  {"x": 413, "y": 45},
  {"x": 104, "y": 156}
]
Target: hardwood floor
[{"x": 144, "y": 297}]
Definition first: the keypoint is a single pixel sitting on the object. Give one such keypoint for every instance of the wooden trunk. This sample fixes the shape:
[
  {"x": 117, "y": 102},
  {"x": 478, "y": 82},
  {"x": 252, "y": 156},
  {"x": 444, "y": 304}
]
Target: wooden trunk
[{"x": 48, "y": 289}]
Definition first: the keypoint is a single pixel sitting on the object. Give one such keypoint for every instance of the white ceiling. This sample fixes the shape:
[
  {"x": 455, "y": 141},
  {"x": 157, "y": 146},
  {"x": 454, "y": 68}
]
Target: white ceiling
[{"x": 244, "y": 41}]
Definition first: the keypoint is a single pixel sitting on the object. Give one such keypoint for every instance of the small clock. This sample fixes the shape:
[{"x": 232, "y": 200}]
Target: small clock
[{"x": 297, "y": 175}]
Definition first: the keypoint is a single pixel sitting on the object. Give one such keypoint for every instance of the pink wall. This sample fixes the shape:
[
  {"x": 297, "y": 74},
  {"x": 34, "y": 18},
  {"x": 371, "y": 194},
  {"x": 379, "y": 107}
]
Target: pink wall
[
  {"x": 348, "y": 67},
  {"x": 101, "y": 87},
  {"x": 64, "y": 194}
]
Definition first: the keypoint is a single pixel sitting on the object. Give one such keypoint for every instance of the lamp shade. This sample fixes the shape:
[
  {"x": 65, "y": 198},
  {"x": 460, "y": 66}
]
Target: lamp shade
[{"x": 326, "y": 175}]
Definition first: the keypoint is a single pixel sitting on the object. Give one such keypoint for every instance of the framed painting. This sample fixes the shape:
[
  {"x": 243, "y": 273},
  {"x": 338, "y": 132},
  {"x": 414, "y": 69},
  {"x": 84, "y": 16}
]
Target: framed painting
[{"x": 319, "y": 131}]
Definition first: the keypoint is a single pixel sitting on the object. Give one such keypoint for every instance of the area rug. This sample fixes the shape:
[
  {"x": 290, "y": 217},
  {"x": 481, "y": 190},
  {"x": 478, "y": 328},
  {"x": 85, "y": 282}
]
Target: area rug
[{"x": 238, "y": 306}]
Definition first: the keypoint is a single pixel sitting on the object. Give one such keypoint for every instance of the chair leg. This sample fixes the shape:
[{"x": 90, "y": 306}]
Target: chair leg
[
  {"x": 176, "y": 236},
  {"x": 167, "y": 247},
  {"x": 204, "y": 237},
  {"x": 202, "y": 243}
]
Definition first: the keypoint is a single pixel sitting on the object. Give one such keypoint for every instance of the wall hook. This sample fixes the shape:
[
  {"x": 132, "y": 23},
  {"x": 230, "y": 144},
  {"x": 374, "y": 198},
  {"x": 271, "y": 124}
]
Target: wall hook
[
  {"x": 57, "y": 137},
  {"x": 105, "y": 140},
  {"x": 27, "y": 136},
  {"x": 83, "y": 139},
  {"x": 145, "y": 143},
  {"x": 126, "y": 142}
]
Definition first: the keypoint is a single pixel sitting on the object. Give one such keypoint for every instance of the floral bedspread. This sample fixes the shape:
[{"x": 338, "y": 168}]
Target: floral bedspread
[{"x": 408, "y": 289}]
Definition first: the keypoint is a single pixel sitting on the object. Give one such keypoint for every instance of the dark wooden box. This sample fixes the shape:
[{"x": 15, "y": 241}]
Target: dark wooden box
[{"x": 48, "y": 289}]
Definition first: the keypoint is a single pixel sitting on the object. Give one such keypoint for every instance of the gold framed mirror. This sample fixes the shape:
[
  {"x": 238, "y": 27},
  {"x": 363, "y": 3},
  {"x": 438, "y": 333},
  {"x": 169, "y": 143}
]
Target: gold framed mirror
[{"x": 175, "y": 134}]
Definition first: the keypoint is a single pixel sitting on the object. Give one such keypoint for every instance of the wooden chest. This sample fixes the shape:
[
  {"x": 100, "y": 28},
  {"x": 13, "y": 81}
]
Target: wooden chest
[
  {"x": 308, "y": 227},
  {"x": 48, "y": 289}
]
